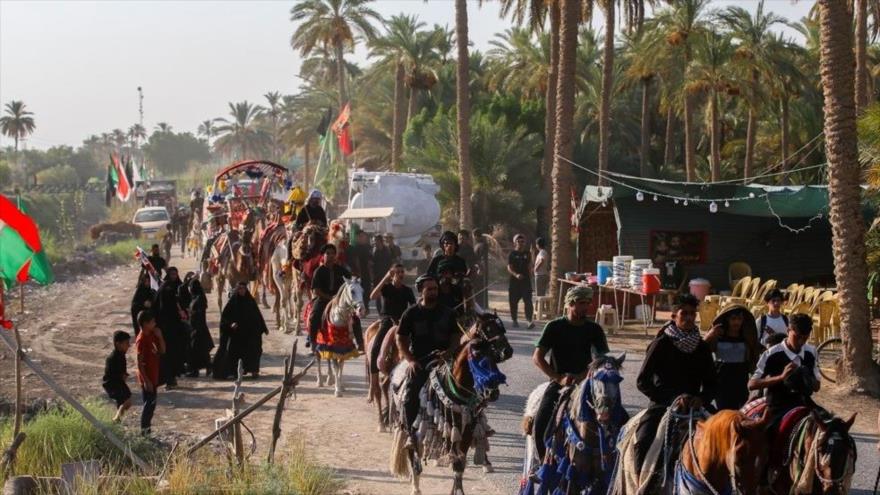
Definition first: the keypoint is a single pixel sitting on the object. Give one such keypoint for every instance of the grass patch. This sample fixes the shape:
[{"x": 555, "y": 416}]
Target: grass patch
[
  {"x": 122, "y": 251},
  {"x": 61, "y": 435},
  {"x": 293, "y": 474}
]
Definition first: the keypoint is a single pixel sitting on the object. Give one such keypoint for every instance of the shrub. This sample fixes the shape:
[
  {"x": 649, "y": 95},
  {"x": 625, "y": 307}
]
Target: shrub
[{"x": 122, "y": 251}]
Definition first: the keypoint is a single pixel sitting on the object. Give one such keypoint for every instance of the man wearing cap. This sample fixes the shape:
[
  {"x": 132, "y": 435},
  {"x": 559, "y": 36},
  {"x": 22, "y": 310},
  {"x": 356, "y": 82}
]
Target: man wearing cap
[
  {"x": 449, "y": 250},
  {"x": 312, "y": 211},
  {"x": 427, "y": 332},
  {"x": 572, "y": 341},
  {"x": 519, "y": 286}
]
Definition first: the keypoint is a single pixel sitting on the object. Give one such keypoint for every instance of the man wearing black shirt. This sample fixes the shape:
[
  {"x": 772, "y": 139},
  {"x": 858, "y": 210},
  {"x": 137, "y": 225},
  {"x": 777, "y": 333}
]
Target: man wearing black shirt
[
  {"x": 449, "y": 293},
  {"x": 383, "y": 258},
  {"x": 448, "y": 253},
  {"x": 326, "y": 281},
  {"x": 115, "y": 373},
  {"x": 787, "y": 370},
  {"x": 481, "y": 275},
  {"x": 156, "y": 259},
  {"x": 396, "y": 299},
  {"x": 360, "y": 260},
  {"x": 427, "y": 331},
  {"x": 312, "y": 211},
  {"x": 519, "y": 266},
  {"x": 677, "y": 362},
  {"x": 573, "y": 342}
]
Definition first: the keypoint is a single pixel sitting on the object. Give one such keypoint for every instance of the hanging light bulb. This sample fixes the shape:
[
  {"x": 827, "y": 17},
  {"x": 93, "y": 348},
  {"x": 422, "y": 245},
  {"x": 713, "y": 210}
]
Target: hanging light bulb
[
  {"x": 604, "y": 204},
  {"x": 751, "y": 195},
  {"x": 726, "y": 204},
  {"x": 685, "y": 202},
  {"x": 640, "y": 196},
  {"x": 675, "y": 200},
  {"x": 713, "y": 207},
  {"x": 655, "y": 197}
]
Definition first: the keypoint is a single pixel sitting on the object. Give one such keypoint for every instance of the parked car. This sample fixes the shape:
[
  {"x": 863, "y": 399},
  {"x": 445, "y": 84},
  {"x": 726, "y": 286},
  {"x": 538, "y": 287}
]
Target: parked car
[{"x": 153, "y": 221}]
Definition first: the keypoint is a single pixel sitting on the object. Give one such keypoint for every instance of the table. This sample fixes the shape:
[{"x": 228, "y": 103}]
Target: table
[{"x": 618, "y": 292}]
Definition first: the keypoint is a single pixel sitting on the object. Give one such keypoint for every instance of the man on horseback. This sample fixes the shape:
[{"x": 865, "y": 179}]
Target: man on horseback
[
  {"x": 449, "y": 246},
  {"x": 677, "y": 362},
  {"x": 326, "y": 281},
  {"x": 312, "y": 211},
  {"x": 427, "y": 332},
  {"x": 787, "y": 371},
  {"x": 572, "y": 341},
  {"x": 396, "y": 298}
]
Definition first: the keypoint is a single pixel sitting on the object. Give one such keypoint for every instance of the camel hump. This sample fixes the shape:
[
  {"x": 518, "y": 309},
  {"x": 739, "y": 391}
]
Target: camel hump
[{"x": 388, "y": 355}]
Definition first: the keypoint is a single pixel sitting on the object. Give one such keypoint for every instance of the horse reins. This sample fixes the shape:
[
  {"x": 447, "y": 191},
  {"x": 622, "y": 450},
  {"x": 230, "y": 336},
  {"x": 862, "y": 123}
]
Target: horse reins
[{"x": 703, "y": 478}]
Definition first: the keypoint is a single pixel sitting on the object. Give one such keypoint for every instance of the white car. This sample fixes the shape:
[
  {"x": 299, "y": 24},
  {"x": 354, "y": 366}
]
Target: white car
[{"x": 153, "y": 221}]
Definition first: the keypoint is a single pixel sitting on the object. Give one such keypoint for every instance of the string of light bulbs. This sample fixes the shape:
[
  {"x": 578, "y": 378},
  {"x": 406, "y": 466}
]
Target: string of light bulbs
[{"x": 684, "y": 201}]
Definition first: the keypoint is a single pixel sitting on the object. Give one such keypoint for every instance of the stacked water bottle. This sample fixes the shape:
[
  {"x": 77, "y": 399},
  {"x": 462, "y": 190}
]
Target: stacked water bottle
[{"x": 620, "y": 270}]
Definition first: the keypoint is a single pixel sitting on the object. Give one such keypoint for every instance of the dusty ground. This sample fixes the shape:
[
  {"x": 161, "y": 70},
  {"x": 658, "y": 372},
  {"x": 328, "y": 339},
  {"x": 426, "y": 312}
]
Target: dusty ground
[{"x": 67, "y": 329}]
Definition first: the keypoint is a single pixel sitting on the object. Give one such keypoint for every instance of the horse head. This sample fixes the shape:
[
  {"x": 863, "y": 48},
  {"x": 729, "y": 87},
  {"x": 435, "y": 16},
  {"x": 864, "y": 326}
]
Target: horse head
[
  {"x": 487, "y": 346},
  {"x": 835, "y": 452},
  {"x": 489, "y": 328},
  {"x": 351, "y": 296},
  {"x": 748, "y": 454},
  {"x": 603, "y": 380}
]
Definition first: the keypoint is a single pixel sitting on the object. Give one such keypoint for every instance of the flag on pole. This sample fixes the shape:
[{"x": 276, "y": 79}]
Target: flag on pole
[
  {"x": 342, "y": 129},
  {"x": 120, "y": 180},
  {"x": 21, "y": 252},
  {"x": 141, "y": 256}
]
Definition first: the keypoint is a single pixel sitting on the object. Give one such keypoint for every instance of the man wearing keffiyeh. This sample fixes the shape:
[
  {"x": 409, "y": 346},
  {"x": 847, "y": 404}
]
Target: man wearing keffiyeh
[{"x": 677, "y": 362}]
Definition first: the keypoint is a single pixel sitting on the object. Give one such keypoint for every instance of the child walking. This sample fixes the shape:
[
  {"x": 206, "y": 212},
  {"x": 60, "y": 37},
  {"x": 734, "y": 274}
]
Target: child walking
[
  {"x": 148, "y": 346},
  {"x": 115, "y": 374}
]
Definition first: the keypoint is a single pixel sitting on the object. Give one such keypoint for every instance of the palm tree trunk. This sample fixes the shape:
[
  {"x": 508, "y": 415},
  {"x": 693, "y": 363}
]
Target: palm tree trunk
[
  {"x": 561, "y": 251},
  {"x": 306, "y": 171},
  {"x": 607, "y": 88},
  {"x": 340, "y": 75},
  {"x": 856, "y": 369},
  {"x": 863, "y": 97},
  {"x": 669, "y": 145},
  {"x": 750, "y": 144},
  {"x": 543, "y": 213},
  {"x": 397, "y": 125},
  {"x": 411, "y": 105},
  {"x": 463, "y": 104},
  {"x": 645, "y": 149},
  {"x": 785, "y": 136},
  {"x": 715, "y": 144},
  {"x": 690, "y": 143}
]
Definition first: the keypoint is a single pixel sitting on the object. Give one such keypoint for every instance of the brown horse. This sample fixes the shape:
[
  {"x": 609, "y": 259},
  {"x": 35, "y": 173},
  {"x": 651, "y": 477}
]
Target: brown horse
[
  {"x": 379, "y": 383},
  {"x": 233, "y": 253},
  {"x": 726, "y": 454},
  {"x": 305, "y": 254},
  {"x": 821, "y": 457},
  {"x": 453, "y": 419}
]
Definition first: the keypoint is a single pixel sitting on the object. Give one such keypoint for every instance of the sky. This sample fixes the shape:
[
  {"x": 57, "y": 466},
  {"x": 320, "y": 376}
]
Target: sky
[{"x": 77, "y": 64}]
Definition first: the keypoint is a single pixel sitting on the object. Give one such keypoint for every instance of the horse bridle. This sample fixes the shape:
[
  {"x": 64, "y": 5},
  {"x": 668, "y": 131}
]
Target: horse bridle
[
  {"x": 833, "y": 482},
  {"x": 731, "y": 465}
]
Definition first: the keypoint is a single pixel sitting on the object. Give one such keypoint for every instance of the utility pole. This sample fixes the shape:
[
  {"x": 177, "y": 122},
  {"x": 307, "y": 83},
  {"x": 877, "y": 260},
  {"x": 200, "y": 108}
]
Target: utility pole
[{"x": 141, "y": 105}]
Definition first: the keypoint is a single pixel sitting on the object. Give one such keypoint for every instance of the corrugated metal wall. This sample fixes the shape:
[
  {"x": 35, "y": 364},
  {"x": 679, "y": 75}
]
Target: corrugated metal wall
[{"x": 772, "y": 251}]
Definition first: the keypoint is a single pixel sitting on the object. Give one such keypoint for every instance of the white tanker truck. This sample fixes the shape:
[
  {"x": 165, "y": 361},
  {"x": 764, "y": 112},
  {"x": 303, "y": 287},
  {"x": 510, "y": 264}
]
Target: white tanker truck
[{"x": 400, "y": 203}]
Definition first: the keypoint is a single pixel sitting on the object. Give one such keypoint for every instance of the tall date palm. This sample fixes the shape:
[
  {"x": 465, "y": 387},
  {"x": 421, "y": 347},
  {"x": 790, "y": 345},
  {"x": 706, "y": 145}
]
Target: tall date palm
[{"x": 18, "y": 123}]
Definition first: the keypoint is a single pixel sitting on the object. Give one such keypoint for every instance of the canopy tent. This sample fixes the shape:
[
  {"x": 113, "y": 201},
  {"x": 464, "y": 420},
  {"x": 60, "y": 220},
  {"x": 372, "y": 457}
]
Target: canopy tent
[{"x": 782, "y": 232}]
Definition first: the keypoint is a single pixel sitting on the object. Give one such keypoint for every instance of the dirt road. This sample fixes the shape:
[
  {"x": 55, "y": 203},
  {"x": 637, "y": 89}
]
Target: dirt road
[{"x": 68, "y": 326}]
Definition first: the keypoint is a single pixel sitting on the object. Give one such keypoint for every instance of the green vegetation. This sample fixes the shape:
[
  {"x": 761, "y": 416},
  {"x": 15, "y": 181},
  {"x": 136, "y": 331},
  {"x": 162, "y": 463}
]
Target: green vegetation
[
  {"x": 122, "y": 251},
  {"x": 60, "y": 434}
]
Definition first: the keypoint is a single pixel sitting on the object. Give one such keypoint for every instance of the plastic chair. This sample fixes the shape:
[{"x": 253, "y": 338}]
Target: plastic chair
[
  {"x": 822, "y": 316},
  {"x": 752, "y": 289},
  {"x": 758, "y": 299},
  {"x": 736, "y": 271},
  {"x": 707, "y": 311},
  {"x": 739, "y": 286},
  {"x": 794, "y": 298}
]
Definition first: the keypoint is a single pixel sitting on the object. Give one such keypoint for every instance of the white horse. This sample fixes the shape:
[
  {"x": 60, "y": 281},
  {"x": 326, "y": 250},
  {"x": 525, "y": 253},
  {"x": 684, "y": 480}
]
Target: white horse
[
  {"x": 335, "y": 341},
  {"x": 282, "y": 279}
]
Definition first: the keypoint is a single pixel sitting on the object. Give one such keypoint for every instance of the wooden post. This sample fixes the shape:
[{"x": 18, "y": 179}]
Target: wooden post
[
  {"x": 253, "y": 407},
  {"x": 79, "y": 407},
  {"x": 236, "y": 404},
  {"x": 279, "y": 409},
  {"x": 8, "y": 460}
]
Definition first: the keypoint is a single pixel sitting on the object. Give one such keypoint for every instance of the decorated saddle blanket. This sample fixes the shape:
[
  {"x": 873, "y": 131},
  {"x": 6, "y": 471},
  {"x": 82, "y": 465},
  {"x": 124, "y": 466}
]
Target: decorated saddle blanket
[
  {"x": 779, "y": 450},
  {"x": 335, "y": 341}
]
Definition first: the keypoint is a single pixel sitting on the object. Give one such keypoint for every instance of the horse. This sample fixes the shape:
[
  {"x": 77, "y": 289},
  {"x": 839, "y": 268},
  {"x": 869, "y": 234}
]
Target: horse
[
  {"x": 335, "y": 339},
  {"x": 379, "y": 383},
  {"x": 304, "y": 256},
  {"x": 725, "y": 454},
  {"x": 452, "y": 418},
  {"x": 655, "y": 474},
  {"x": 272, "y": 268},
  {"x": 589, "y": 416},
  {"x": 232, "y": 252}
]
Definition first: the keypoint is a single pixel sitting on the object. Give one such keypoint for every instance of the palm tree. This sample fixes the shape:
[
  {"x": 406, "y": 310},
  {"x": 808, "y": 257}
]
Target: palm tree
[
  {"x": 240, "y": 136},
  {"x": 681, "y": 24},
  {"x": 207, "y": 129},
  {"x": 864, "y": 91},
  {"x": 321, "y": 68},
  {"x": 752, "y": 35},
  {"x": 644, "y": 66},
  {"x": 163, "y": 127},
  {"x": 788, "y": 81},
  {"x": 562, "y": 252},
  {"x": 463, "y": 116},
  {"x": 119, "y": 138},
  {"x": 273, "y": 98},
  {"x": 334, "y": 26},
  {"x": 136, "y": 133},
  {"x": 709, "y": 75},
  {"x": 837, "y": 67},
  {"x": 18, "y": 123},
  {"x": 519, "y": 63},
  {"x": 300, "y": 115}
]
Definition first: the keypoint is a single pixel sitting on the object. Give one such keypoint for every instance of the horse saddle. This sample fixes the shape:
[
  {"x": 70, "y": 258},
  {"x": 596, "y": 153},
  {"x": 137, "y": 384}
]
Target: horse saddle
[{"x": 779, "y": 449}]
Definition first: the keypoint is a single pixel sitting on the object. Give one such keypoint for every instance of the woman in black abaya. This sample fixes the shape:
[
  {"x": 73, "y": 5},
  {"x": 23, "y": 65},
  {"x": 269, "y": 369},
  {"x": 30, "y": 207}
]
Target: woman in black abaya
[{"x": 241, "y": 335}]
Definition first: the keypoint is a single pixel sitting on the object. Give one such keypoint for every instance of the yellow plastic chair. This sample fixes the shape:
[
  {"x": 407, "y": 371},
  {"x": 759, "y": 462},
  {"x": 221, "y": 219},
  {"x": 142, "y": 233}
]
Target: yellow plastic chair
[
  {"x": 737, "y": 271},
  {"x": 763, "y": 291},
  {"x": 794, "y": 298},
  {"x": 822, "y": 317},
  {"x": 707, "y": 311},
  {"x": 740, "y": 285},
  {"x": 752, "y": 289}
]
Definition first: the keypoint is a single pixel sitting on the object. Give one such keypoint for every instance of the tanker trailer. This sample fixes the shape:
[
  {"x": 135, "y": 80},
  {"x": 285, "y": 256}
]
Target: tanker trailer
[{"x": 400, "y": 203}]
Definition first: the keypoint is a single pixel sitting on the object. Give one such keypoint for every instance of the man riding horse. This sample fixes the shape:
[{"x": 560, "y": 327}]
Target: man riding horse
[{"x": 312, "y": 211}]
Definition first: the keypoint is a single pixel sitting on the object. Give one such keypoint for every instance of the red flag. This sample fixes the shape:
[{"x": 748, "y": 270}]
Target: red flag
[
  {"x": 342, "y": 120},
  {"x": 123, "y": 188},
  {"x": 342, "y": 129},
  {"x": 345, "y": 144}
]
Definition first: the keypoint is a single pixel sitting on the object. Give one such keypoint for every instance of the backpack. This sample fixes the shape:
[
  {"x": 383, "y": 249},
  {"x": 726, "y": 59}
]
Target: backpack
[{"x": 763, "y": 329}]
